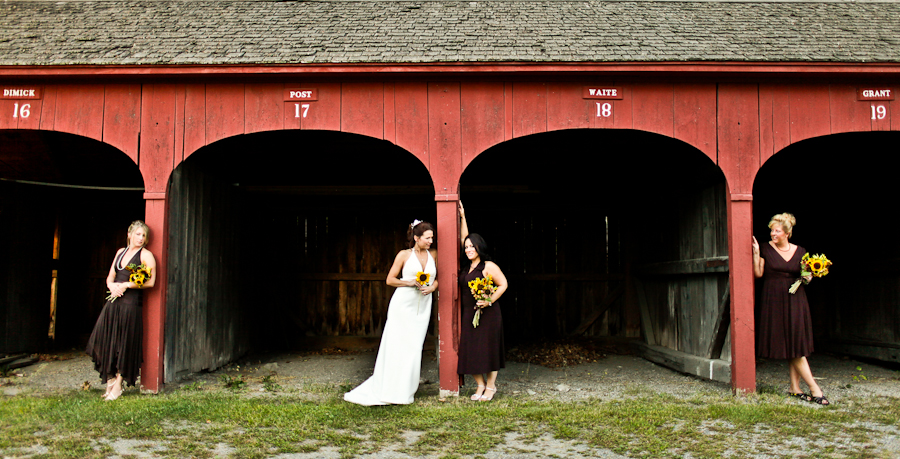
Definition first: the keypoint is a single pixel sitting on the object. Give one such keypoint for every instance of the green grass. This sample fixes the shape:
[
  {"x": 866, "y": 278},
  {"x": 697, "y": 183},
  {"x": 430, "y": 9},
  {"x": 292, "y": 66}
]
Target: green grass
[{"x": 190, "y": 422}]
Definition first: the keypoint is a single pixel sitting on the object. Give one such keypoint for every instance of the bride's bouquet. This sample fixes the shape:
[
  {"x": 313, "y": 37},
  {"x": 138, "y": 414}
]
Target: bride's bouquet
[
  {"x": 482, "y": 289},
  {"x": 139, "y": 274},
  {"x": 422, "y": 280},
  {"x": 816, "y": 265}
]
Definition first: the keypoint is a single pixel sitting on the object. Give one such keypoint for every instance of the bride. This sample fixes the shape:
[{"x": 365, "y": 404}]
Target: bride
[{"x": 399, "y": 360}]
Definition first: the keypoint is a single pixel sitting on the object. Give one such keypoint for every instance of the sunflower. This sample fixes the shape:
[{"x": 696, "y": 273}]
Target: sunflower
[
  {"x": 422, "y": 278},
  {"x": 818, "y": 265}
]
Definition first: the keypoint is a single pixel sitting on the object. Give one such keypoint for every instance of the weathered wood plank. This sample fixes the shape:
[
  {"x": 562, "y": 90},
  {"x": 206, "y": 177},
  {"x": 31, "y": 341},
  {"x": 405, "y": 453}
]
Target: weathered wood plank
[
  {"x": 695, "y": 266},
  {"x": 713, "y": 369},
  {"x": 600, "y": 309}
]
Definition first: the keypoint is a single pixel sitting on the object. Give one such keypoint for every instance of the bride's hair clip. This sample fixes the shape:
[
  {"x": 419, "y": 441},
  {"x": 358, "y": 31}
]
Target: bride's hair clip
[{"x": 414, "y": 223}]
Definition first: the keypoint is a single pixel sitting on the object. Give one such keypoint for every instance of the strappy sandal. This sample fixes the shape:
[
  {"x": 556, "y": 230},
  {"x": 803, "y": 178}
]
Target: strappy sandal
[
  {"x": 485, "y": 398},
  {"x": 801, "y": 396},
  {"x": 820, "y": 400},
  {"x": 109, "y": 386},
  {"x": 476, "y": 396}
]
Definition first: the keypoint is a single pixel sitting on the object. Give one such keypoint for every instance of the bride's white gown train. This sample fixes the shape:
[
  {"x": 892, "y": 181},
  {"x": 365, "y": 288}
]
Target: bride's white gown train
[{"x": 399, "y": 361}]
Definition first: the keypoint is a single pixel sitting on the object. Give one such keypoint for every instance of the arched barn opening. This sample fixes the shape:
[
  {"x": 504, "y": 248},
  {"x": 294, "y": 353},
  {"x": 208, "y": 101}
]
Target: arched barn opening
[
  {"x": 608, "y": 233},
  {"x": 281, "y": 241},
  {"x": 65, "y": 205},
  {"x": 842, "y": 190}
]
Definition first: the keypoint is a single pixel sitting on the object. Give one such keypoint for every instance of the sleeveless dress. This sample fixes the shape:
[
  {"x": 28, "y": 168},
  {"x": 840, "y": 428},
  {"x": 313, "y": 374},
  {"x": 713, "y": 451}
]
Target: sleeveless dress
[
  {"x": 116, "y": 343},
  {"x": 399, "y": 362},
  {"x": 783, "y": 321},
  {"x": 481, "y": 349}
]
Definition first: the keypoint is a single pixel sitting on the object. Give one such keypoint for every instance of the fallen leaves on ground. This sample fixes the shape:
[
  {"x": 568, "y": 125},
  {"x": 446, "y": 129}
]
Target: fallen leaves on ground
[{"x": 564, "y": 352}]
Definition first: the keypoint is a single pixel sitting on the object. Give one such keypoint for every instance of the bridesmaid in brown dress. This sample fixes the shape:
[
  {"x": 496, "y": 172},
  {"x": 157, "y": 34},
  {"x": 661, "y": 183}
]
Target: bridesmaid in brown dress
[
  {"x": 784, "y": 325},
  {"x": 481, "y": 350},
  {"x": 116, "y": 343}
]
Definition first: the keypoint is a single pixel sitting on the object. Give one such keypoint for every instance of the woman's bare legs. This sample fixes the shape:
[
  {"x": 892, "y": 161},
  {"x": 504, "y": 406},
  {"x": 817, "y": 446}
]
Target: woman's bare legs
[
  {"x": 491, "y": 386},
  {"x": 800, "y": 370},
  {"x": 479, "y": 379}
]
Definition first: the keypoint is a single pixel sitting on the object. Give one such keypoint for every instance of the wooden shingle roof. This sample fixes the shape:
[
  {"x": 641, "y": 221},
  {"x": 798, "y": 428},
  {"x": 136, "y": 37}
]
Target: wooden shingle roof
[{"x": 382, "y": 32}]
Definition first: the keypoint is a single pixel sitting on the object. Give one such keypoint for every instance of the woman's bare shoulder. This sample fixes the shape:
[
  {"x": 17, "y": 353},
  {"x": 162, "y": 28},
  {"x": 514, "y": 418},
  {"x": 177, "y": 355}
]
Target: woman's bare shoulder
[{"x": 403, "y": 255}]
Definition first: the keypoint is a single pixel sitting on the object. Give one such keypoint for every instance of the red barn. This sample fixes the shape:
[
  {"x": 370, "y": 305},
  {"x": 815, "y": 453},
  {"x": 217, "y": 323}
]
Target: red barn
[{"x": 617, "y": 155}]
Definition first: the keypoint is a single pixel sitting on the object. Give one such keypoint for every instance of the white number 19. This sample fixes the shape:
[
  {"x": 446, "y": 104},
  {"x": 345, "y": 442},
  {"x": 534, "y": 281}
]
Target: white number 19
[{"x": 879, "y": 112}]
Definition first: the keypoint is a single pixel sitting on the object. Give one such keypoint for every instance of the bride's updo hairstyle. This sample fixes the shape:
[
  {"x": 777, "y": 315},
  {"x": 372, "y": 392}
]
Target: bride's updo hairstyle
[
  {"x": 786, "y": 220},
  {"x": 416, "y": 229}
]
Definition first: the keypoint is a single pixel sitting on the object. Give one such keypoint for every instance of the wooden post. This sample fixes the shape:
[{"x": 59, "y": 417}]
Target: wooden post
[
  {"x": 448, "y": 292},
  {"x": 743, "y": 344},
  {"x": 154, "y": 308}
]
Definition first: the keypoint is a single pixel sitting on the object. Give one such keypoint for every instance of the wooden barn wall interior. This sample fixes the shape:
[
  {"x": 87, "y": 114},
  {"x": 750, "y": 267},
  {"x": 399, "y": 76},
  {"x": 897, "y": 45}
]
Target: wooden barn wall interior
[{"x": 446, "y": 126}]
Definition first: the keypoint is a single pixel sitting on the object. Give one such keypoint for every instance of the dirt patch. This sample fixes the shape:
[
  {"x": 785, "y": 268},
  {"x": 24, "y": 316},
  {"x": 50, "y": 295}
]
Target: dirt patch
[{"x": 605, "y": 372}]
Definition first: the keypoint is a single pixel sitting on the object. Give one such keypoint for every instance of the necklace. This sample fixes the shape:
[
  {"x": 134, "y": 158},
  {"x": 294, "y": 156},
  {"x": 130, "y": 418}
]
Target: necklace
[{"x": 785, "y": 251}]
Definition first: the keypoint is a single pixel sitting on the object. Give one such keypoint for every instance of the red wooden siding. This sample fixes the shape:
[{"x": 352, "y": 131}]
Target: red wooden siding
[
  {"x": 653, "y": 104},
  {"x": 695, "y": 116},
  {"x": 529, "y": 111},
  {"x": 411, "y": 118},
  {"x": 225, "y": 111},
  {"x": 157, "y": 137},
  {"x": 79, "y": 109},
  {"x": 122, "y": 118},
  {"x": 194, "y": 118},
  {"x": 324, "y": 114},
  {"x": 444, "y": 137},
  {"x": 264, "y": 103},
  {"x": 482, "y": 111}
]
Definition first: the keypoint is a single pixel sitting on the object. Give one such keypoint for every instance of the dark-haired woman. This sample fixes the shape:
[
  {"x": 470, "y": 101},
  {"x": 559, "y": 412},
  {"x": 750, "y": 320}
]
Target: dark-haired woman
[
  {"x": 399, "y": 361},
  {"x": 116, "y": 344},
  {"x": 481, "y": 350}
]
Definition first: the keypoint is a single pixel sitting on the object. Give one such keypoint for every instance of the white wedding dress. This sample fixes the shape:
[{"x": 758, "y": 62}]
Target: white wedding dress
[{"x": 399, "y": 361}]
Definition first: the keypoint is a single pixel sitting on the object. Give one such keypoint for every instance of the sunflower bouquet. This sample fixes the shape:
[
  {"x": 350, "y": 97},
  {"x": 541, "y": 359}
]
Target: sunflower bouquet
[
  {"x": 815, "y": 265},
  {"x": 423, "y": 279},
  {"x": 139, "y": 274},
  {"x": 482, "y": 289}
]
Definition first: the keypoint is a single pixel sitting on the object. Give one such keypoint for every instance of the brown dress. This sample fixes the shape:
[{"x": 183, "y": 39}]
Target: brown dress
[
  {"x": 783, "y": 322},
  {"x": 481, "y": 350},
  {"x": 116, "y": 343}
]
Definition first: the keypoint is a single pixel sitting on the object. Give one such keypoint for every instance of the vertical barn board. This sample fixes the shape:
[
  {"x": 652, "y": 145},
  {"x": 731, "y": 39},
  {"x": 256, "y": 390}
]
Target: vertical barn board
[
  {"x": 121, "y": 118},
  {"x": 653, "y": 108},
  {"x": 444, "y": 136},
  {"x": 411, "y": 117},
  {"x": 847, "y": 113},
  {"x": 893, "y": 108},
  {"x": 482, "y": 117},
  {"x": 263, "y": 104},
  {"x": 529, "y": 108},
  {"x": 362, "y": 109},
  {"x": 194, "y": 118},
  {"x": 157, "y": 136},
  {"x": 390, "y": 115},
  {"x": 566, "y": 107},
  {"x": 738, "y": 135},
  {"x": 810, "y": 112},
  {"x": 34, "y": 108},
  {"x": 48, "y": 108},
  {"x": 178, "y": 155},
  {"x": 766, "y": 123},
  {"x": 8, "y": 108},
  {"x": 781, "y": 117},
  {"x": 225, "y": 111},
  {"x": 623, "y": 110},
  {"x": 885, "y": 123},
  {"x": 325, "y": 113},
  {"x": 293, "y": 113},
  {"x": 507, "y": 111},
  {"x": 695, "y": 116},
  {"x": 79, "y": 110}
]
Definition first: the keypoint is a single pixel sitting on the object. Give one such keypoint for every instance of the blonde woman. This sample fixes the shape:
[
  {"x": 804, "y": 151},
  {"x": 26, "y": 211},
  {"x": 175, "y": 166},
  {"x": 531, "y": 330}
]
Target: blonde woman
[
  {"x": 784, "y": 325},
  {"x": 116, "y": 343}
]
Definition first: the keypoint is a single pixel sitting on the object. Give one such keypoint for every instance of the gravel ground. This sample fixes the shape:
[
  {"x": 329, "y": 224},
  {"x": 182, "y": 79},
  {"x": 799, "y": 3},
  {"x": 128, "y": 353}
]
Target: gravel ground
[{"x": 612, "y": 377}]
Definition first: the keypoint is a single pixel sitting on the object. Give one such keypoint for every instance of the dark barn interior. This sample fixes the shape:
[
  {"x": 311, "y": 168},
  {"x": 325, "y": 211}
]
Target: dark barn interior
[
  {"x": 603, "y": 234},
  {"x": 283, "y": 240},
  {"x": 65, "y": 205},
  {"x": 841, "y": 189}
]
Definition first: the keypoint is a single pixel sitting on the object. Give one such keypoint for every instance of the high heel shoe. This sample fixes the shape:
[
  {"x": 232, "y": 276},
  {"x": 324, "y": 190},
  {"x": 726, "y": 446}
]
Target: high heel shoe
[
  {"x": 476, "y": 396},
  {"x": 486, "y": 398}
]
